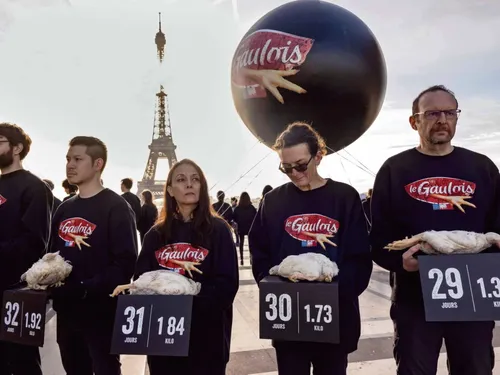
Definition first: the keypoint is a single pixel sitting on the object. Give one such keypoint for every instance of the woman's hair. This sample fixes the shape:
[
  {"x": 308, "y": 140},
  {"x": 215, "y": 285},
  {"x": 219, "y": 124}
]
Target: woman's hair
[
  {"x": 67, "y": 185},
  {"x": 245, "y": 200},
  {"x": 266, "y": 190},
  {"x": 298, "y": 133},
  {"x": 203, "y": 214},
  {"x": 148, "y": 197}
]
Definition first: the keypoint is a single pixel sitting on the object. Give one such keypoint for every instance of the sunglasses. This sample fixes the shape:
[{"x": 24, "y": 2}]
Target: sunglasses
[{"x": 298, "y": 167}]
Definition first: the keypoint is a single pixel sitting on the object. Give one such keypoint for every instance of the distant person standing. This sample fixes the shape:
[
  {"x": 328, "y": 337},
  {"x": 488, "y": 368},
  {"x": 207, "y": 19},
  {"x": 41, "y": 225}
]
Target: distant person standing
[
  {"x": 266, "y": 190},
  {"x": 149, "y": 214},
  {"x": 57, "y": 201},
  {"x": 222, "y": 208},
  {"x": 70, "y": 189},
  {"x": 234, "y": 204},
  {"x": 131, "y": 198},
  {"x": 25, "y": 212},
  {"x": 366, "y": 207},
  {"x": 243, "y": 216}
]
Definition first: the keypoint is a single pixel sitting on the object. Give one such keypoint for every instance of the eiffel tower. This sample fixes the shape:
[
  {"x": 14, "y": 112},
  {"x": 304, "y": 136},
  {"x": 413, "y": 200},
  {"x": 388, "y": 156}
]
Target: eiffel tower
[{"x": 162, "y": 145}]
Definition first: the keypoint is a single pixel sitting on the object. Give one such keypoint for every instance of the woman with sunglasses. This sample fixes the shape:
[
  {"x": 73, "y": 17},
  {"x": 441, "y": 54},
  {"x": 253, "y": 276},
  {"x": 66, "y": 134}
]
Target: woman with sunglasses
[{"x": 311, "y": 214}]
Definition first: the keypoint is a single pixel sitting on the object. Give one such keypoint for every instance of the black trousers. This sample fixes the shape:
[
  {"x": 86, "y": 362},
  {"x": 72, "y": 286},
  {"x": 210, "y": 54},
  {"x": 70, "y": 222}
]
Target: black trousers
[
  {"x": 296, "y": 358},
  {"x": 417, "y": 344},
  {"x": 18, "y": 359},
  {"x": 85, "y": 348},
  {"x": 242, "y": 243},
  {"x": 185, "y": 366}
]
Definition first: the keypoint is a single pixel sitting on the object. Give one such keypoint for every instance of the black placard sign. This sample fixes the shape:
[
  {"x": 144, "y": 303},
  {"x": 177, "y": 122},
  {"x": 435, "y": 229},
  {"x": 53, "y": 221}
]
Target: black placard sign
[
  {"x": 303, "y": 311},
  {"x": 23, "y": 316},
  {"x": 463, "y": 287},
  {"x": 152, "y": 325}
]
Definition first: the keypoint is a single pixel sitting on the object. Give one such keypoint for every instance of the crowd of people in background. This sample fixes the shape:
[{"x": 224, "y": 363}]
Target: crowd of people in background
[{"x": 240, "y": 215}]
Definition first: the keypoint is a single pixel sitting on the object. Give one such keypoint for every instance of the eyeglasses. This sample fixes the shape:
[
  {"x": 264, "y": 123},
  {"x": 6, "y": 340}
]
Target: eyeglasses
[
  {"x": 450, "y": 114},
  {"x": 298, "y": 167}
]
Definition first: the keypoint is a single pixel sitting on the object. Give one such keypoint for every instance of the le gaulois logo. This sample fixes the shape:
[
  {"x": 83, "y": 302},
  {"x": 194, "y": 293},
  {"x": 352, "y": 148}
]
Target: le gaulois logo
[
  {"x": 2, "y": 199},
  {"x": 442, "y": 192},
  {"x": 180, "y": 257},
  {"x": 74, "y": 229},
  {"x": 267, "y": 50},
  {"x": 304, "y": 227}
]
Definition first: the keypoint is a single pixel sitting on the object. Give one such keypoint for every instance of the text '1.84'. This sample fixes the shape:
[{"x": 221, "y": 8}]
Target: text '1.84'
[
  {"x": 152, "y": 325},
  {"x": 134, "y": 325}
]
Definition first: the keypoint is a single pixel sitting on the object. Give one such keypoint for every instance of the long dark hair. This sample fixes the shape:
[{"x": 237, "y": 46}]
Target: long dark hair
[
  {"x": 148, "y": 197},
  {"x": 266, "y": 190},
  {"x": 245, "y": 200},
  {"x": 203, "y": 214}
]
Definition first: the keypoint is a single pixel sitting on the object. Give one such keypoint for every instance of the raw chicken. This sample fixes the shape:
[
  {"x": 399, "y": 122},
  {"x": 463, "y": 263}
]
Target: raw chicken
[
  {"x": 307, "y": 266},
  {"x": 50, "y": 270},
  {"x": 448, "y": 242},
  {"x": 160, "y": 282}
]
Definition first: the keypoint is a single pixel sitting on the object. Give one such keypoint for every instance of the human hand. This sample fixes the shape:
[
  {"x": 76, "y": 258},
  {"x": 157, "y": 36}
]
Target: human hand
[
  {"x": 274, "y": 79},
  {"x": 410, "y": 264}
]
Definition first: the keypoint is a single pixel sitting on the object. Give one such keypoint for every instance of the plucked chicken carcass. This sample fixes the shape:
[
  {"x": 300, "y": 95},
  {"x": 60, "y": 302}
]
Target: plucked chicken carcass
[
  {"x": 307, "y": 266},
  {"x": 51, "y": 270},
  {"x": 448, "y": 242},
  {"x": 160, "y": 282}
]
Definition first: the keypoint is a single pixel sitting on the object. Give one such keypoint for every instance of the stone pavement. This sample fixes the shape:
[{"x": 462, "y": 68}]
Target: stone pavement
[{"x": 253, "y": 356}]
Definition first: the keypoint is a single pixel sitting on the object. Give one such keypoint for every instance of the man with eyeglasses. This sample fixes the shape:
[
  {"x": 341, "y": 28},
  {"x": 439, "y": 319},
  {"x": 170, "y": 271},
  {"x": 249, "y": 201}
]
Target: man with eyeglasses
[
  {"x": 312, "y": 214},
  {"x": 434, "y": 186}
]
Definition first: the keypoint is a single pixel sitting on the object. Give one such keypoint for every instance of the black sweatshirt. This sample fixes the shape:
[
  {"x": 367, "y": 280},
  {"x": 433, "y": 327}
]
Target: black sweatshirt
[
  {"x": 403, "y": 205},
  {"x": 134, "y": 202},
  {"x": 107, "y": 222},
  {"x": 211, "y": 320},
  {"x": 243, "y": 216},
  {"x": 276, "y": 232},
  {"x": 25, "y": 211},
  {"x": 224, "y": 210}
]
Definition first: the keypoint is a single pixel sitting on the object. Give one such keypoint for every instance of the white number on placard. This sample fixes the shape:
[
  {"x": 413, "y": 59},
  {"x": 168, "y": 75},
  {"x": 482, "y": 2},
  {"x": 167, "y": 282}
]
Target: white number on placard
[
  {"x": 495, "y": 281},
  {"x": 452, "y": 279},
  {"x": 12, "y": 312},
  {"x": 32, "y": 320},
  {"x": 281, "y": 307},
  {"x": 320, "y": 309},
  {"x": 172, "y": 326},
  {"x": 131, "y": 312}
]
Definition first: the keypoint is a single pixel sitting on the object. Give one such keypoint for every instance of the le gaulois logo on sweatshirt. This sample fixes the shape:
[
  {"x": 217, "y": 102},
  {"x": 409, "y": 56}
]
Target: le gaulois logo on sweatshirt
[
  {"x": 181, "y": 257},
  {"x": 443, "y": 193},
  {"x": 2, "y": 199},
  {"x": 311, "y": 228},
  {"x": 75, "y": 231}
]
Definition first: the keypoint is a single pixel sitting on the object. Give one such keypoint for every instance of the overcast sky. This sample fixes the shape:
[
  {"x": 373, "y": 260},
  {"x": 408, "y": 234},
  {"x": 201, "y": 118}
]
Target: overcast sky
[{"x": 89, "y": 67}]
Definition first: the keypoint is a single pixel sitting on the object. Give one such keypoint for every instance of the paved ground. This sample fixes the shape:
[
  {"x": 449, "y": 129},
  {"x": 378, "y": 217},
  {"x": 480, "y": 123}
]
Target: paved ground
[{"x": 253, "y": 356}]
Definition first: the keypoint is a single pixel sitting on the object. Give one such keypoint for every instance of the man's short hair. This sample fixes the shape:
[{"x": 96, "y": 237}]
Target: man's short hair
[
  {"x": 415, "y": 106},
  {"x": 16, "y": 135},
  {"x": 128, "y": 182},
  {"x": 96, "y": 148}
]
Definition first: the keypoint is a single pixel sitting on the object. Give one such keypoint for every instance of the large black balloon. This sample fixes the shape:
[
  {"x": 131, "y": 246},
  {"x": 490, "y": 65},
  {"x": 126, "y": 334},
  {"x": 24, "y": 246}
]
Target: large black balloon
[{"x": 340, "y": 63}]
